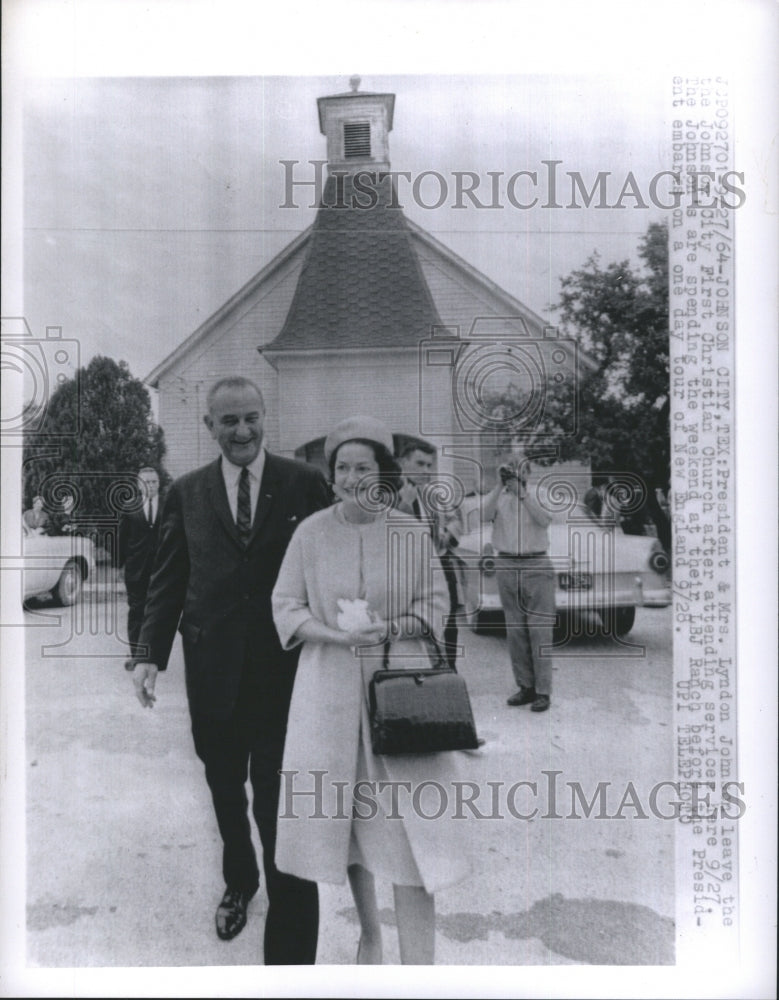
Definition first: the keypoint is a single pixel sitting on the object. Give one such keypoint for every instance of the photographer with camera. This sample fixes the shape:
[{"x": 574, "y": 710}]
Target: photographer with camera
[{"x": 526, "y": 582}]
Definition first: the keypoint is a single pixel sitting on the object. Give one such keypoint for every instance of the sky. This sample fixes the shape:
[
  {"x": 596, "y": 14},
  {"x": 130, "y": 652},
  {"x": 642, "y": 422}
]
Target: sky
[{"x": 148, "y": 201}]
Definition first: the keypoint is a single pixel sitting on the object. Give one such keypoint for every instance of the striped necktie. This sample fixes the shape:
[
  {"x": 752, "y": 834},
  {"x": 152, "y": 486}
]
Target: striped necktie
[{"x": 244, "y": 516}]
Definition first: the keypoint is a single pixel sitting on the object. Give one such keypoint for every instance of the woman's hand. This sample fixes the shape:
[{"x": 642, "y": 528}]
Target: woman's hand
[{"x": 365, "y": 635}]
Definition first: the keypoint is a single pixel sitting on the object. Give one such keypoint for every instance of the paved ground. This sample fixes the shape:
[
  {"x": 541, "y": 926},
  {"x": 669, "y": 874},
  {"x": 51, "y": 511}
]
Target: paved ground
[{"x": 123, "y": 856}]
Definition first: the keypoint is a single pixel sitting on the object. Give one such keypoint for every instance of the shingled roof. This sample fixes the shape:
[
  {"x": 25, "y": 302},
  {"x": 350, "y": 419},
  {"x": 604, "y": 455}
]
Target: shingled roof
[{"x": 361, "y": 285}]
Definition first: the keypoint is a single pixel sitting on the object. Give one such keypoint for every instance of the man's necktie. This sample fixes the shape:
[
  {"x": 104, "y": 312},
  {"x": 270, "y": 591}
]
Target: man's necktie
[
  {"x": 149, "y": 515},
  {"x": 244, "y": 517}
]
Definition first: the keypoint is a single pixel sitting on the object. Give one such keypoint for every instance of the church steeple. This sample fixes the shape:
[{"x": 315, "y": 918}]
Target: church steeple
[
  {"x": 357, "y": 126},
  {"x": 361, "y": 286}
]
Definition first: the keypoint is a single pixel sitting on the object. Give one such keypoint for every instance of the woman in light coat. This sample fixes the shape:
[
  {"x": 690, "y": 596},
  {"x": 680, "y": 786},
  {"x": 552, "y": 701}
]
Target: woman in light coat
[{"x": 333, "y": 821}]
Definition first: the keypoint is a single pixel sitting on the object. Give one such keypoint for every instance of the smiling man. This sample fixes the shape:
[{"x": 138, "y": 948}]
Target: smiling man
[{"x": 225, "y": 529}]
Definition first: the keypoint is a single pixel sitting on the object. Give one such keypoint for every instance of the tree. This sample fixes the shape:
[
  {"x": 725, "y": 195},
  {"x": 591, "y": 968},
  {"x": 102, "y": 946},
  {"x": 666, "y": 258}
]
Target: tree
[
  {"x": 96, "y": 433},
  {"x": 620, "y": 318},
  {"x": 618, "y": 315}
]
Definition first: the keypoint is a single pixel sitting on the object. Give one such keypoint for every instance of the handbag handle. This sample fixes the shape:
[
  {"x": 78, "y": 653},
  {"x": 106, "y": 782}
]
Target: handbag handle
[{"x": 436, "y": 657}]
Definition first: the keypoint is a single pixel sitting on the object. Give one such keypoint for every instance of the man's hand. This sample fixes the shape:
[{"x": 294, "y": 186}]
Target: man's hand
[{"x": 144, "y": 679}]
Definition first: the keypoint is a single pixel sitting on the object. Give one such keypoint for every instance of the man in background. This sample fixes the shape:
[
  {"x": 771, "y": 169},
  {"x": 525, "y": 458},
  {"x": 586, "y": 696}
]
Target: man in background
[
  {"x": 63, "y": 521},
  {"x": 594, "y": 498},
  {"x": 417, "y": 462},
  {"x": 35, "y": 519},
  {"x": 139, "y": 532}
]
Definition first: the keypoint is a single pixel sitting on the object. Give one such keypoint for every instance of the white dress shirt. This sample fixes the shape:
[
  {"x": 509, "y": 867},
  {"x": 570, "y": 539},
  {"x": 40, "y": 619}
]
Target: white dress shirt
[{"x": 232, "y": 474}]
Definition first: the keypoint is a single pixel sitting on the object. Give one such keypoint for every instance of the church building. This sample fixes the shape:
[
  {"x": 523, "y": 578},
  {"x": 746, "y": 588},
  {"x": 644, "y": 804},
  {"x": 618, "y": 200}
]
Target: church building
[{"x": 363, "y": 313}]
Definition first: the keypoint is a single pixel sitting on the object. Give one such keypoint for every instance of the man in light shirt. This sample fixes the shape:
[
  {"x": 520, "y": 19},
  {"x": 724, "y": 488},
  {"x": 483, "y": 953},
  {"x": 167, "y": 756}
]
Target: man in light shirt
[
  {"x": 526, "y": 582},
  {"x": 224, "y": 531}
]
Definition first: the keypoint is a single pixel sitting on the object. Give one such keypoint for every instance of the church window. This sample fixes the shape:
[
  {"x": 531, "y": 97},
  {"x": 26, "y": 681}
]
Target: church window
[{"x": 357, "y": 140}]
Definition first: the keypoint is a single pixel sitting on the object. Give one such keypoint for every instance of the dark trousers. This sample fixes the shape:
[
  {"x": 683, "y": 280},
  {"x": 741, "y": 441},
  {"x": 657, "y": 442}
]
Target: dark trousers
[
  {"x": 450, "y": 628},
  {"x": 250, "y": 744}
]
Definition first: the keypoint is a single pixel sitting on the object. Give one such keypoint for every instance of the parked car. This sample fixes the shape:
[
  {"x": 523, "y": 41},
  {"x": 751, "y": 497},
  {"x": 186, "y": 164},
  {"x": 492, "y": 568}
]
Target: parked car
[
  {"x": 599, "y": 570},
  {"x": 57, "y": 565}
]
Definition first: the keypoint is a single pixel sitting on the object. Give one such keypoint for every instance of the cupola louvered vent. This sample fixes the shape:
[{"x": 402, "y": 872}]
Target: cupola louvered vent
[{"x": 357, "y": 140}]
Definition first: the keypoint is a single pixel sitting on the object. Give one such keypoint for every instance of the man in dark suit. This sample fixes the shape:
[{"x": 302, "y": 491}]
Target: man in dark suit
[
  {"x": 137, "y": 544},
  {"x": 417, "y": 497},
  {"x": 224, "y": 532}
]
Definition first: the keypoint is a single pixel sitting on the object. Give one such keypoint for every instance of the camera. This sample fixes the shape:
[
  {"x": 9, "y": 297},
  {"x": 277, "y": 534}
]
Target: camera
[
  {"x": 500, "y": 359},
  {"x": 41, "y": 366},
  {"x": 515, "y": 473}
]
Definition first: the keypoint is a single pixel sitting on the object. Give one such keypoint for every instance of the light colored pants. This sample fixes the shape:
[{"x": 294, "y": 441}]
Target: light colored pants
[{"x": 527, "y": 594}]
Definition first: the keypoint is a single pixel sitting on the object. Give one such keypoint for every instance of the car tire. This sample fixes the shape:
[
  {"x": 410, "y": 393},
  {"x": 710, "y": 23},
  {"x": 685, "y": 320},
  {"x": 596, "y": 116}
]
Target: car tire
[
  {"x": 69, "y": 585},
  {"x": 619, "y": 621}
]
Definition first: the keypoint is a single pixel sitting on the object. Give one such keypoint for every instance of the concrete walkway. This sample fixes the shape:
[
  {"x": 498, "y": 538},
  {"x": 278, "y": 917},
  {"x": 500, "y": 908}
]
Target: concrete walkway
[{"x": 123, "y": 855}]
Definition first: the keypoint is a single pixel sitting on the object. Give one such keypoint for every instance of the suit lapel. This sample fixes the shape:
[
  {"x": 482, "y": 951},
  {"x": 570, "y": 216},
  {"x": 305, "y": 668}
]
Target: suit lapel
[
  {"x": 218, "y": 495},
  {"x": 423, "y": 512},
  {"x": 269, "y": 486}
]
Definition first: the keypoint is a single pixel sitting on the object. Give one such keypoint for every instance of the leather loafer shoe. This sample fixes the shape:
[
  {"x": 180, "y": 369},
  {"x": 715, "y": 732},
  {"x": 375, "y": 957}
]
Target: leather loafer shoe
[
  {"x": 231, "y": 913},
  {"x": 522, "y": 697},
  {"x": 540, "y": 704}
]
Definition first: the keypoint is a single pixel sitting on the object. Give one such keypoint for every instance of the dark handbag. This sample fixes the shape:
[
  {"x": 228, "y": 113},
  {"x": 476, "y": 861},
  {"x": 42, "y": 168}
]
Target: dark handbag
[{"x": 420, "y": 711}]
